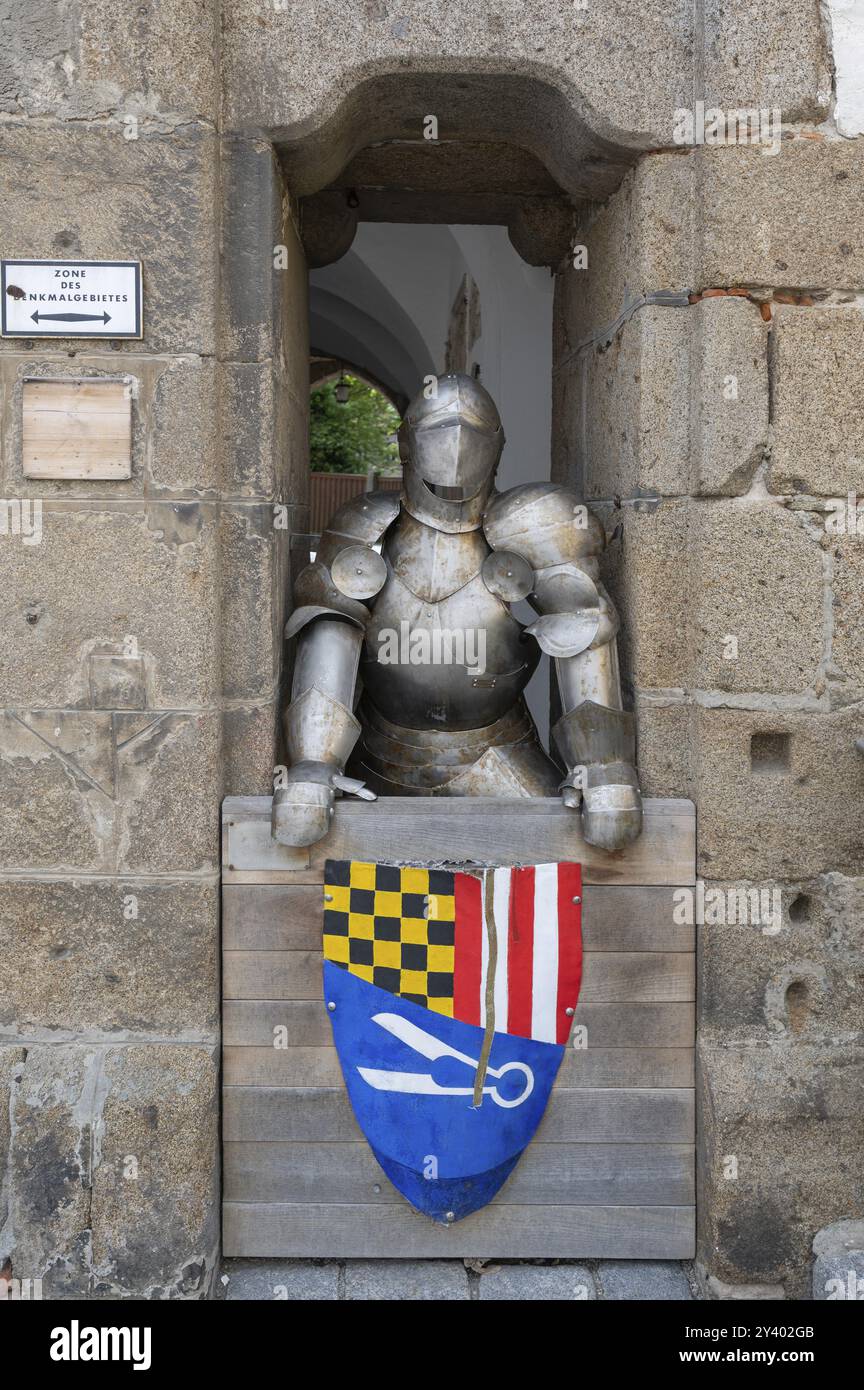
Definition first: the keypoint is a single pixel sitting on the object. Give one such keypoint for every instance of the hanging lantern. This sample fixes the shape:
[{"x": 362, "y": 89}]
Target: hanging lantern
[{"x": 343, "y": 390}]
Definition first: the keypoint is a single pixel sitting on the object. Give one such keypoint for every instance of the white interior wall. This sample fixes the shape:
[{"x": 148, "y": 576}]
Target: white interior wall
[{"x": 389, "y": 298}]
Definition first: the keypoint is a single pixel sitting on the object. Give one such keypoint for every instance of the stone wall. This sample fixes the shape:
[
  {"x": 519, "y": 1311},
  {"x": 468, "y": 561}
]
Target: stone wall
[
  {"x": 111, "y": 759},
  {"x": 142, "y": 635},
  {"x": 142, "y": 639},
  {"x": 711, "y": 427}
]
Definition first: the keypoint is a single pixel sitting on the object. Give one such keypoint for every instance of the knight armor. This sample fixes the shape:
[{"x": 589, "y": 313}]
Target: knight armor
[{"x": 411, "y": 666}]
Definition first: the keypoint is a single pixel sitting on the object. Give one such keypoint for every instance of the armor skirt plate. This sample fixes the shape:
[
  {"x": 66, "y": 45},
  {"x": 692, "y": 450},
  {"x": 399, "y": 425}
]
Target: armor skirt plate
[{"x": 503, "y": 759}]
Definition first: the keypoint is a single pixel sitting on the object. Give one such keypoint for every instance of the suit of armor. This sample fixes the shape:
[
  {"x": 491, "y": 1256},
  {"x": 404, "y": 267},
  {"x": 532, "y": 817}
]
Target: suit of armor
[{"x": 410, "y": 665}]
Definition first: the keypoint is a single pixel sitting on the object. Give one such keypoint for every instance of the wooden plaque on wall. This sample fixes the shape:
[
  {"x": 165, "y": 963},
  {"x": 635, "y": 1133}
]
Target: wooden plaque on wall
[{"x": 77, "y": 427}]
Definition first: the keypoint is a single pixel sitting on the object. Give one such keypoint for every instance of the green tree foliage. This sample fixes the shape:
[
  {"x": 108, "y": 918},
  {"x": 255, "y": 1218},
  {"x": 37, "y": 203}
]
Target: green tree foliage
[{"x": 354, "y": 437}]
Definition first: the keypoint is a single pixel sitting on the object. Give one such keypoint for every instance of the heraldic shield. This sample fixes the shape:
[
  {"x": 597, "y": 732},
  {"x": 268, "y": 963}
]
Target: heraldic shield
[{"x": 451, "y": 997}]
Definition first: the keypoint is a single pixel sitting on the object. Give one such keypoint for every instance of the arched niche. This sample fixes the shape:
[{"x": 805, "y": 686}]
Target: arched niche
[{"x": 480, "y": 148}]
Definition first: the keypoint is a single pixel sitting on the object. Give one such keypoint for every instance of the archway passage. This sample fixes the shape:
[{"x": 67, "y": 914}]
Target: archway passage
[
  {"x": 352, "y": 440},
  {"x": 352, "y": 427},
  {"x": 409, "y": 301},
  {"x": 323, "y": 367}
]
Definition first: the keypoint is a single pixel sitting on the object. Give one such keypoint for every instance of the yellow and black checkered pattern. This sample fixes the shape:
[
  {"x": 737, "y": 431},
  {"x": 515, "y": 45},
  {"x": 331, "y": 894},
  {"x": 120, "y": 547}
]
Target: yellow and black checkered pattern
[{"x": 394, "y": 927}]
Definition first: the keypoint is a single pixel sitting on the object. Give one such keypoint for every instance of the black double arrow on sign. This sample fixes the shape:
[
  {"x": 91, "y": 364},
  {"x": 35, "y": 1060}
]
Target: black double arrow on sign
[{"x": 71, "y": 318}]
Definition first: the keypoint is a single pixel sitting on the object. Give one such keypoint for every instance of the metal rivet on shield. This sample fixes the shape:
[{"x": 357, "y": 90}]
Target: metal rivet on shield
[
  {"x": 577, "y": 900},
  {"x": 451, "y": 1216},
  {"x": 328, "y": 897},
  {"x": 569, "y": 1012},
  {"x": 331, "y": 1006}
]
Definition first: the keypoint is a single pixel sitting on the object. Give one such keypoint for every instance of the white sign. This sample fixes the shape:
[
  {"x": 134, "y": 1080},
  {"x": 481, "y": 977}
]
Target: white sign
[{"x": 71, "y": 299}]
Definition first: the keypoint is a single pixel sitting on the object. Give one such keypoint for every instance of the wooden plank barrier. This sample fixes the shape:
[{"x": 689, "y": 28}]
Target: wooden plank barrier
[{"x": 610, "y": 1173}]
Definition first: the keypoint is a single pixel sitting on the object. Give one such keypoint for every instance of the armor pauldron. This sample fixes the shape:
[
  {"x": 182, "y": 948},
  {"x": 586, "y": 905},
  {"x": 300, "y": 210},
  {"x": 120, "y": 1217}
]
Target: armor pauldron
[
  {"x": 362, "y": 519},
  {"x": 347, "y": 567},
  {"x": 544, "y": 523},
  {"x": 547, "y": 528},
  {"x": 314, "y": 587}
]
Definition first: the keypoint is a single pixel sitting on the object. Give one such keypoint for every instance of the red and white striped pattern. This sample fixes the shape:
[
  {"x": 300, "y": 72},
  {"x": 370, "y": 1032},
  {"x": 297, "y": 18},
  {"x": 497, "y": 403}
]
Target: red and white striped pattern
[{"x": 539, "y": 950}]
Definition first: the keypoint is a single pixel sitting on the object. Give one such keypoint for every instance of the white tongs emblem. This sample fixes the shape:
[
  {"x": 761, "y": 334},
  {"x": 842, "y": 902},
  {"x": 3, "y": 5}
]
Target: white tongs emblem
[{"x": 430, "y": 1047}]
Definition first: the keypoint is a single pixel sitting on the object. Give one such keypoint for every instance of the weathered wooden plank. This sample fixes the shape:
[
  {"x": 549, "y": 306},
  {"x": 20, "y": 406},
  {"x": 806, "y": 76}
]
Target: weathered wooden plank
[
  {"x": 100, "y": 395},
  {"x": 638, "y": 977},
  {"x": 483, "y": 830},
  {"x": 281, "y": 1066},
  {"x": 288, "y": 917},
  {"x": 592, "y": 1066},
  {"x": 271, "y": 974},
  {"x": 251, "y": 1023},
  {"x": 569, "y": 1174},
  {"x": 499, "y": 1231},
  {"x": 635, "y": 1067},
  {"x": 598, "y": 1116},
  {"x": 272, "y": 917},
  {"x": 607, "y": 976},
  {"x": 627, "y": 917}
]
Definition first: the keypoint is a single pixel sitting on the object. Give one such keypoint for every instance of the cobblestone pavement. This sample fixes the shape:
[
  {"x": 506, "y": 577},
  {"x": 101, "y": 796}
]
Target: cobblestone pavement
[{"x": 419, "y": 1280}]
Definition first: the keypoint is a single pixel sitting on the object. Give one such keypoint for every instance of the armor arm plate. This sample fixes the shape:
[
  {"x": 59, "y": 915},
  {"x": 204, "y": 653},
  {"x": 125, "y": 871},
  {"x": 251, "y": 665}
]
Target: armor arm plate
[
  {"x": 546, "y": 527},
  {"x": 555, "y": 533},
  {"x": 320, "y": 727},
  {"x": 329, "y": 621}
]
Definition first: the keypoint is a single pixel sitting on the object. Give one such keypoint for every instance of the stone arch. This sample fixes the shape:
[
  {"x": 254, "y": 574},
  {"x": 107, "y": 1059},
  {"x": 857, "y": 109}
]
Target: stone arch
[
  {"x": 523, "y": 149},
  {"x": 324, "y": 368},
  {"x": 585, "y": 155}
]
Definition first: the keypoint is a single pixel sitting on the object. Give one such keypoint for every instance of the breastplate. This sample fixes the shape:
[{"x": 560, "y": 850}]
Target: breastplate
[{"x": 441, "y": 651}]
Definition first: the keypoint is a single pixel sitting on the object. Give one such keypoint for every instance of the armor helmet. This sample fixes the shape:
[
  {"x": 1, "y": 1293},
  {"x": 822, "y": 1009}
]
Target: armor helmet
[{"x": 450, "y": 444}]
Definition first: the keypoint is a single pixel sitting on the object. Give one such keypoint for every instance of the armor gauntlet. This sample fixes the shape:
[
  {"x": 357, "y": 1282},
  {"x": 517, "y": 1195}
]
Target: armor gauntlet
[{"x": 560, "y": 539}]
